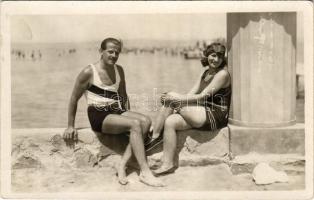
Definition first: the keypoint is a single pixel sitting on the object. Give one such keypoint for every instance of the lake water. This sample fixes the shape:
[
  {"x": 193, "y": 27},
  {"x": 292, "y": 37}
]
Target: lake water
[{"x": 41, "y": 88}]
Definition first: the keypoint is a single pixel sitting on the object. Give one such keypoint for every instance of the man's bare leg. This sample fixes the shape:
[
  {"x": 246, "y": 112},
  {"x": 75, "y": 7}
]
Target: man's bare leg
[
  {"x": 116, "y": 124},
  {"x": 145, "y": 125}
]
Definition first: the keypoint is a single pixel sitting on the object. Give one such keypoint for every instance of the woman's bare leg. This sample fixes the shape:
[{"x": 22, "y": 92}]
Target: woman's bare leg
[
  {"x": 193, "y": 116},
  {"x": 160, "y": 120},
  {"x": 116, "y": 124},
  {"x": 173, "y": 122}
]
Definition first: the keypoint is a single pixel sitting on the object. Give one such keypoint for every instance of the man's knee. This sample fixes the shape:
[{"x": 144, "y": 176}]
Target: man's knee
[
  {"x": 135, "y": 125},
  {"x": 147, "y": 122}
]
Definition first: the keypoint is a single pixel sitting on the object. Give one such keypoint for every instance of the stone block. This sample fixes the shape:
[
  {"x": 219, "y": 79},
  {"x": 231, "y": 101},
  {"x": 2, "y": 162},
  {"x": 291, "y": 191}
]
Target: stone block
[
  {"x": 279, "y": 140},
  {"x": 197, "y": 148},
  {"x": 27, "y": 160},
  {"x": 84, "y": 158},
  {"x": 207, "y": 143}
]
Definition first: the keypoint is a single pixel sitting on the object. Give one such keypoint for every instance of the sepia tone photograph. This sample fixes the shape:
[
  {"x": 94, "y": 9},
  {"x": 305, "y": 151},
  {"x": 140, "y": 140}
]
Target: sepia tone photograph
[{"x": 175, "y": 100}]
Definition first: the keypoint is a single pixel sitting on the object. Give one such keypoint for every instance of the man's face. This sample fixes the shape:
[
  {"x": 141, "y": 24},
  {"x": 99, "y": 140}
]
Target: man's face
[
  {"x": 214, "y": 60},
  {"x": 111, "y": 54}
]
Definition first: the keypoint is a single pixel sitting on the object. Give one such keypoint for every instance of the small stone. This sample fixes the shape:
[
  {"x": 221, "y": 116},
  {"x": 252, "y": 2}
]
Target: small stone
[
  {"x": 57, "y": 141},
  {"x": 263, "y": 174},
  {"x": 190, "y": 144},
  {"x": 154, "y": 161},
  {"x": 54, "y": 150}
]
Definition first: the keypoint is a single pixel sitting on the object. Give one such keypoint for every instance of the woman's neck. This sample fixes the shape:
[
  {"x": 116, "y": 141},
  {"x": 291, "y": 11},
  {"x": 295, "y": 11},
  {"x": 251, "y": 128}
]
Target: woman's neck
[{"x": 214, "y": 69}]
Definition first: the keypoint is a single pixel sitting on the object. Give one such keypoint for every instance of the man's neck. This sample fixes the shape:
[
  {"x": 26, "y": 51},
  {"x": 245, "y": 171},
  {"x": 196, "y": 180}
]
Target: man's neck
[{"x": 104, "y": 66}]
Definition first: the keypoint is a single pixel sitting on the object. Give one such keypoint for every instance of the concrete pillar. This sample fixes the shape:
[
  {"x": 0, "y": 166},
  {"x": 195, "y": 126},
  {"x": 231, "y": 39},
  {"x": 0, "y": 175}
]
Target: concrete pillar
[{"x": 262, "y": 61}]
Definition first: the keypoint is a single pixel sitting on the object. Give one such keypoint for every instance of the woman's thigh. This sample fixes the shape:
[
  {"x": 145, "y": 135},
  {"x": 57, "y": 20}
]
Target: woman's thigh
[
  {"x": 117, "y": 124},
  {"x": 194, "y": 115},
  {"x": 178, "y": 122}
]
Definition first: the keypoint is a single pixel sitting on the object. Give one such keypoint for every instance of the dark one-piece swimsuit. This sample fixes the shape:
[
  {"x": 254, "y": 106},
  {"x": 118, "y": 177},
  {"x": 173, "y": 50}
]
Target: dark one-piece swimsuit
[{"x": 216, "y": 106}]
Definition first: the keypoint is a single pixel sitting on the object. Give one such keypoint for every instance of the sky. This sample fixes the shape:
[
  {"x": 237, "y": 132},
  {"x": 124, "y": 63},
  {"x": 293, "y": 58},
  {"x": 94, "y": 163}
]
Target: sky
[{"x": 81, "y": 28}]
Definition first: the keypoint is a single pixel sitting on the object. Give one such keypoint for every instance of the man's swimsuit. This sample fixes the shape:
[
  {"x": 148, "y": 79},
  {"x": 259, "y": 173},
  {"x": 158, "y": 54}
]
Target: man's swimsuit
[{"x": 102, "y": 100}]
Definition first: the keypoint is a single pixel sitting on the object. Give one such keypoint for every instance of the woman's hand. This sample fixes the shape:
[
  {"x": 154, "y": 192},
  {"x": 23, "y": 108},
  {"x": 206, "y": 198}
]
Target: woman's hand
[
  {"x": 167, "y": 97},
  {"x": 171, "y": 99}
]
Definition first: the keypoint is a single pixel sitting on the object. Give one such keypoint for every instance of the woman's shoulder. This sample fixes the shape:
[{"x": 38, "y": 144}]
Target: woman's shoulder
[{"x": 223, "y": 72}]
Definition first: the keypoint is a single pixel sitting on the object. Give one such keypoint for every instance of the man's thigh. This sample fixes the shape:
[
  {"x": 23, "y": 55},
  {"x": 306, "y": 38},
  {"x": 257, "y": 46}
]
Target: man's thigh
[
  {"x": 117, "y": 124},
  {"x": 136, "y": 115}
]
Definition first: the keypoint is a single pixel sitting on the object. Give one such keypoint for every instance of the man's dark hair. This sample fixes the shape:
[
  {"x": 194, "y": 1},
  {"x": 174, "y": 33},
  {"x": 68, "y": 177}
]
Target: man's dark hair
[{"x": 115, "y": 41}]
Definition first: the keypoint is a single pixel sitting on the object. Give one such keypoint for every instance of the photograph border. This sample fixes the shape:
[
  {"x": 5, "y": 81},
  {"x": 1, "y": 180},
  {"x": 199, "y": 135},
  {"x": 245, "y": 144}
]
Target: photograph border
[{"x": 9, "y": 9}]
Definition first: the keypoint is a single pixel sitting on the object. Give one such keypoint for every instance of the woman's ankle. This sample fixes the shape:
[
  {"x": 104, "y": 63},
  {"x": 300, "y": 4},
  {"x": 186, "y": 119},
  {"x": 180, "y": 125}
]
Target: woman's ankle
[{"x": 167, "y": 164}]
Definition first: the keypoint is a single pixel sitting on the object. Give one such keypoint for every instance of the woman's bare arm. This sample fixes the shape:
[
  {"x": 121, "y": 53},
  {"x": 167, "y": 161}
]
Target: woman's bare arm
[{"x": 218, "y": 82}]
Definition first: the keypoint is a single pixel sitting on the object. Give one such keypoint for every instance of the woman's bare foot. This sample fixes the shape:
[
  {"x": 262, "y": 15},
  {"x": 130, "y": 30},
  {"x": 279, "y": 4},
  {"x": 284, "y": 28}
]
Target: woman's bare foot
[
  {"x": 121, "y": 173},
  {"x": 164, "y": 169},
  {"x": 149, "y": 179}
]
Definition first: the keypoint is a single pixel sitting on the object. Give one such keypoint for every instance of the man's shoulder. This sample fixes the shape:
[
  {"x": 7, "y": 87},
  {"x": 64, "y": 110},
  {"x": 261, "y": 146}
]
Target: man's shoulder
[{"x": 86, "y": 72}]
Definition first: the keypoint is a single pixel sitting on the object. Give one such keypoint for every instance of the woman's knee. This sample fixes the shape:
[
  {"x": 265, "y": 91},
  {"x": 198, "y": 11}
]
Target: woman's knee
[{"x": 172, "y": 121}]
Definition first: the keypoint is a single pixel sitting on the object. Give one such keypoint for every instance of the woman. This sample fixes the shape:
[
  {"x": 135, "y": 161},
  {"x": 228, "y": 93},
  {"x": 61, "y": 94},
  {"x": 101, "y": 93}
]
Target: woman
[
  {"x": 206, "y": 106},
  {"x": 103, "y": 84}
]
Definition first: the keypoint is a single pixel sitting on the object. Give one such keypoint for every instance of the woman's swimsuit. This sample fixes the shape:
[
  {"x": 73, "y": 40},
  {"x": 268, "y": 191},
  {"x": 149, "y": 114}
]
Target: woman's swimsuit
[
  {"x": 217, "y": 106},
  {"x": 102, "y": 100}
]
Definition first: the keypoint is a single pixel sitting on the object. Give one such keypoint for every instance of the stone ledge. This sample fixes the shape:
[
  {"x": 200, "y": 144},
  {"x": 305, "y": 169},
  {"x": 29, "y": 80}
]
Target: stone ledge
[
  {"x": 44, "y": 146},
  {"x": 280, "y": 140}
]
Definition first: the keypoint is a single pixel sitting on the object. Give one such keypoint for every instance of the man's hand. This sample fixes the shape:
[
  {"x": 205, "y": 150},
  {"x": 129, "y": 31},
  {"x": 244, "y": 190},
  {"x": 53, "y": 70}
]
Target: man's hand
[{"x": 70, "y": 136}]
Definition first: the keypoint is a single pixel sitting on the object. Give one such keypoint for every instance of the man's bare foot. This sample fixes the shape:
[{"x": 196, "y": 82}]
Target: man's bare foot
[
  {"x": 122, "y": 179},
  {"x": 150, "y": 180}
]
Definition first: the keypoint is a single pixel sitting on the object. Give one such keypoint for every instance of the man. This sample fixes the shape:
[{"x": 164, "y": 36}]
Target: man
[{"x": 103, "y": 84}]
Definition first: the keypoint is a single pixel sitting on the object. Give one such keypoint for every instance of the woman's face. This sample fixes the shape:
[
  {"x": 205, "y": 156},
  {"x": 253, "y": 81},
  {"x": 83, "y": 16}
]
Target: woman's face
[{"x": 214, "y": 60}]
